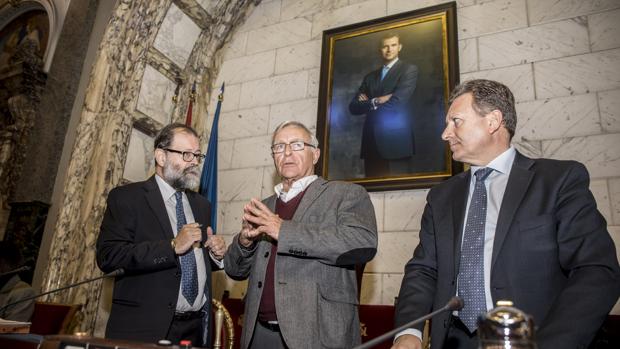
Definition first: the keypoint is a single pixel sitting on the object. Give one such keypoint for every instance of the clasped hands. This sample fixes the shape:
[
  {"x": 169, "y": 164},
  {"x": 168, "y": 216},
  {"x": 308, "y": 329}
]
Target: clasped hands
[
  {"x": 258, "y": 220},
  {"x": 191, "y": 234},
  {"x": 378, "y": 100}
]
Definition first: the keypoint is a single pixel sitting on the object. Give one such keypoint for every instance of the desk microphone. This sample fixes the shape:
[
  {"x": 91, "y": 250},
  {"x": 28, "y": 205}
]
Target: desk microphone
[
  {"x": 115, "y": 273},
  {"x": 455, "y": 303}
]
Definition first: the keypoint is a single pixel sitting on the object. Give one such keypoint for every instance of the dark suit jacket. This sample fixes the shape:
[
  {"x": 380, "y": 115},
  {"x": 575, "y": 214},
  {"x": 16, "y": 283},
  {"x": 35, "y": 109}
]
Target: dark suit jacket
[
  {"x": 552, "y": 254},
  {"x": 135, "y": 235},
  {"x": 388, "y": 129}
]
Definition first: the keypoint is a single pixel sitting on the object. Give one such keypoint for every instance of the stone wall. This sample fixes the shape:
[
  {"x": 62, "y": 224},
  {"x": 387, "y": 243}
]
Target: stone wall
[{"x": 561, "y": 58}]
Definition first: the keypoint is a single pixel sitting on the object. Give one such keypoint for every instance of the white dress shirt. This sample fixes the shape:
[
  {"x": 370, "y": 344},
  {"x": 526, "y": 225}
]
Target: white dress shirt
[
  {"x": 495, "y": 185},
  {"x": 167, "y": 193},
  {"x": 297, "y": 187}
]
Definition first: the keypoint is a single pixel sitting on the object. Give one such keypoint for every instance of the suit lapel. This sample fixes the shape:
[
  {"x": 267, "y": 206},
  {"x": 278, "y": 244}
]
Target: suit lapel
[
  {"x": 312, "y": 193},
  {"x": 460, "y": 191},
  {"x": 518, "y": 182},
  {"x": 156, "y": 202}
]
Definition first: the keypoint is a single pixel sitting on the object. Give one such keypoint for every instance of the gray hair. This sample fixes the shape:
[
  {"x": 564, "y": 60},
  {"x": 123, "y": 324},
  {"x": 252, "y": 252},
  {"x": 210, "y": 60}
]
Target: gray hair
[
  {"x": 291, "y": 123},
  {"x": 489, "y": 95}
]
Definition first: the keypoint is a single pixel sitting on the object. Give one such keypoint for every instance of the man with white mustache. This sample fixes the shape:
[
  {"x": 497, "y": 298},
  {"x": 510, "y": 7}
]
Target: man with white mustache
[{"x": 158, "y": 232}]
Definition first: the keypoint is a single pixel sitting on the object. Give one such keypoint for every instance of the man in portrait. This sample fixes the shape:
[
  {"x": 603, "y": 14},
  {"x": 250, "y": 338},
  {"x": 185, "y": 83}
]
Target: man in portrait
[
  {"x": 300, "y": 249},
  {"x": 158, "y": 231},
  {"x": 385, "y": 98},
  {"x": 510, "y": 228}
]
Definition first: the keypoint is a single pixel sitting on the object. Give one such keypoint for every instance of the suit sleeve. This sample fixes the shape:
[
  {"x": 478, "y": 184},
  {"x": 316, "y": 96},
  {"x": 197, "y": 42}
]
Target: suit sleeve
[
  {"x": 357, "y": 107},
  {"x": 238, "y": 261},
  {"x": 403, "y": 91},
  {"x": 349, "y": 238},
  {"x": 119, "y": 247},
  {"x": 588, "y": 257},
  {"x": 418, "y": 287}
]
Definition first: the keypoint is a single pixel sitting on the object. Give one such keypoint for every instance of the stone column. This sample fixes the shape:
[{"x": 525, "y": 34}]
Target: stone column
[{"x": 98, "y": 156}]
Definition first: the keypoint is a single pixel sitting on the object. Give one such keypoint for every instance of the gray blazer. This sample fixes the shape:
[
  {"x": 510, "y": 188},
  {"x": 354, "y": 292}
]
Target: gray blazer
[{"x": 333, "y": 229}]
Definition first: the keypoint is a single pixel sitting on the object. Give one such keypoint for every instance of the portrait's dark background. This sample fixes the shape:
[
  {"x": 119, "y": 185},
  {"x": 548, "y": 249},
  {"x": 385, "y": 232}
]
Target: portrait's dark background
[{"x": 355, "y": 57}]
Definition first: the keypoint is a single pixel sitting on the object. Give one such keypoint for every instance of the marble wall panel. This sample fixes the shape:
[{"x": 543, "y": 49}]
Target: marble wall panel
[
  {"x": 600, "y": 190},
  {"x": 298, "y": 57},
  {"x": 278, "y": 89},
  {"x": 403, "y": 210},
  {"x": 491, "y": 17},
  {"x": 236, "y": 46},
  {"x": 303, "y": 110},
  {"x": 378, "y": 202},
  {"x": 609, "y": 104},
  {"x": 270, "y": 179},
  {"x": 246, "y": 68},
  {"x": 371, "y": 289},
  {"x": 558, "y": 117},
  {"x": 177, "y": 36},
  {"x": 224, "y": 151},
  {"x": 604, "y": 30},
  {"x": 395, "y": 249},
  {"x": 355, "y": 13},
  {"x": 532, "y": 149},
  {"x": 221, "y": 282},
  {"x": 518, "y": 78},
  {"x": 550, "y": 10},
  {"x": 598, "y": 153},
  {"x": 398, "y": 6},
  {"x": 614, "y": 198},
  {"x": 263, "y": 15},
  {"x": 553, "y": 40},
  {"x": 313, "y": 82},
  {"x": 239, "y": 184},
  {"x": 244, "y": 123},
  {"x": 139, "y": 164},
  {"x": 468, "y": 55},
  {"x": 252, "y": 151},
  {"x": 279, "y": 35},
  {"x": 578, "y": 74},
  {"x": 155, "y": 99},
  {"x": 391, "y": 287},
  {"x": 300, "y": 8},
  {"x": 232, "y": 214}
]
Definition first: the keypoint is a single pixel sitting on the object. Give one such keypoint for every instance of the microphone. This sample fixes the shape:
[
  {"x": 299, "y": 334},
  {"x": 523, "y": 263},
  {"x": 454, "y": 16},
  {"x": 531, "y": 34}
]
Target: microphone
[
  {"x": 454, "y": 304},
  {"x": 16, "y": 270},
  {"x": 115, "y": 273}
]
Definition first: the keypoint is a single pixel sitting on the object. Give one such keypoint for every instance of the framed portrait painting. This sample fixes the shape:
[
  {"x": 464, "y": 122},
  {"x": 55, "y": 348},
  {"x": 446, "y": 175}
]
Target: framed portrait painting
[{"x": 383, "y": 94}]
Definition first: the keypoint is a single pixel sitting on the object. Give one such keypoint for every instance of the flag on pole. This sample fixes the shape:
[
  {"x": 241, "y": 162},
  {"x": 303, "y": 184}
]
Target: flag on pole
[
  {"x": 208, "y": 180},
  {"x": 192, "y": 97}
]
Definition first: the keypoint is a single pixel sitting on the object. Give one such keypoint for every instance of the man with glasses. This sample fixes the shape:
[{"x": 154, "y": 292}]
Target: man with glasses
[
  {"x": 300, "y": 249},
  {"x": 158, "y": 232}
]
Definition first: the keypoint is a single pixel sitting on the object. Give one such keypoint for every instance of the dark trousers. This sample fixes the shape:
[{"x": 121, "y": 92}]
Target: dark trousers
[
  {"x": 266, "y": 338},
  {"x": 459, "y": 337},
  {"x": 183, "y": 328}
]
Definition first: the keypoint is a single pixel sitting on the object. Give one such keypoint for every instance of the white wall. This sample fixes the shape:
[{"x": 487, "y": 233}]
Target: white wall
[{"x": 561, "y": 58}]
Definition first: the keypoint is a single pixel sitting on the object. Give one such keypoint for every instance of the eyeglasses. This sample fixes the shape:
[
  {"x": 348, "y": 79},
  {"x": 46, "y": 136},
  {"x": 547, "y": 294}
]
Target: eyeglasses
[
  {"x": 188, "y": 156},
  {"x": 295, "y": 146}
]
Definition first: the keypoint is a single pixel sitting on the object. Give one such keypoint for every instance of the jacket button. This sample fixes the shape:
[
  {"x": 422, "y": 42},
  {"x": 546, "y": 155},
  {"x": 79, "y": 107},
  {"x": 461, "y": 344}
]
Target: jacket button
[
  {"x": 260, "y": 284},
  {"x": 266, "y": 254}
]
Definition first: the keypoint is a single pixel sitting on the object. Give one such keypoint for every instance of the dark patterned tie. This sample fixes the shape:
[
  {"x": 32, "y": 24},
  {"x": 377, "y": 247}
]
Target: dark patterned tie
[
  {"x": 471, "y": 274},
  {"x": 189, "y": 273}
]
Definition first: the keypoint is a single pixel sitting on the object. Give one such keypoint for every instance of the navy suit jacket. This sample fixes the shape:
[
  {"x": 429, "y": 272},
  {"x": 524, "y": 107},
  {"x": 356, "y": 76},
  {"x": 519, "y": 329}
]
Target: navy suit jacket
[
  {"x": 389, "y": 128},
  {"x": 552, "y": 254},
  {"x": 135, "y": 235}
]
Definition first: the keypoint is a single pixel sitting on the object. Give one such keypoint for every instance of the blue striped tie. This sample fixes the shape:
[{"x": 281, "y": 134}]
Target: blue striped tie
[
  {"x": 471, "y": 273},
  {"x": 189, "y": 273}
]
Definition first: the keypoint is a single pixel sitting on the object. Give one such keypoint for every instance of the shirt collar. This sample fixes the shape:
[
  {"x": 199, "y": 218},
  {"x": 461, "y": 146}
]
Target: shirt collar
[
  {"x": 391, "y": 64},
  {"x": 502, "y": 163},
  {"x": 166, "y": 190},
  {"x": 297, "y": 187}
]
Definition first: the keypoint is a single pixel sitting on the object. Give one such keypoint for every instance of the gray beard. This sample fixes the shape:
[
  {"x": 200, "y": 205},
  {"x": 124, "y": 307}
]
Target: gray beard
[{"x": 188, "y": 179}]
